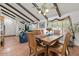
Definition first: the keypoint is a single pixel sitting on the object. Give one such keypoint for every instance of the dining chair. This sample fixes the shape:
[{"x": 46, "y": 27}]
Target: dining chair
[
  {"x": 37, "y": 32},
  {"x": 61, "y": 49},
  {"x": 34, "y": 48}
]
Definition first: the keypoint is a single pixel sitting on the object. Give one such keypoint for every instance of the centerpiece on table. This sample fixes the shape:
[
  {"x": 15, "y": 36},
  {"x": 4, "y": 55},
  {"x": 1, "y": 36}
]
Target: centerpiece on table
[{"x": 49, "y": 31}]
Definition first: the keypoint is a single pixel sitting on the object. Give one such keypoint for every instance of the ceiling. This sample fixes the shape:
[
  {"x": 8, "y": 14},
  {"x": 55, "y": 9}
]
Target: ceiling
[{"x": 29, "y": 11}]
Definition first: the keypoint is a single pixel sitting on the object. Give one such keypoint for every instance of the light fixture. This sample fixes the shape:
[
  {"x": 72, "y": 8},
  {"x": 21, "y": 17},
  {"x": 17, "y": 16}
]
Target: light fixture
[
  {"x": 47, "y": 10},
  {"x": 44, "y": 13},
  {"x": 44, "y": 8},
  {"x": 39, "y": 12}
]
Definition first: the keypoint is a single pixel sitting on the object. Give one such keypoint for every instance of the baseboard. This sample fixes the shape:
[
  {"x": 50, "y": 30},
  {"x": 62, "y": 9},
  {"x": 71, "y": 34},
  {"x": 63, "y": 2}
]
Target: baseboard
[{"x": 9, "y": 35}]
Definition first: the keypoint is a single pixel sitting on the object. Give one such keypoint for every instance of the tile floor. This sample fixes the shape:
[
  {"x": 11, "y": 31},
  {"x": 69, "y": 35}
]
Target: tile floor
[{"x": 12, "y": 47}]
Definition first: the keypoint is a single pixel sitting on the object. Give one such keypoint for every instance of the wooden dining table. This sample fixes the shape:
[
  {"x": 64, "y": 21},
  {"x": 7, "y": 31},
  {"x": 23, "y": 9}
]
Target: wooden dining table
[{"x": 48, "y": 40}]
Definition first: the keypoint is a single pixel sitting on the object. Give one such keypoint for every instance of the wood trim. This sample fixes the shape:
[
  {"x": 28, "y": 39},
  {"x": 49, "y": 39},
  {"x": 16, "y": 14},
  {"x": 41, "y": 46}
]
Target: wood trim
[
  {"x": 27, "y": 10},
  {"x": 19, "y": 11},
  {"x": 14, "y": 13},
  {"x": 9, "y": 35}
]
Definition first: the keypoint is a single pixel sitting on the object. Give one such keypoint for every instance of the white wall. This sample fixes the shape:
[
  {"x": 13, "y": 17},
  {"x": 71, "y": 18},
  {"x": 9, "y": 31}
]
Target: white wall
[{"x": 12, "y": 26}]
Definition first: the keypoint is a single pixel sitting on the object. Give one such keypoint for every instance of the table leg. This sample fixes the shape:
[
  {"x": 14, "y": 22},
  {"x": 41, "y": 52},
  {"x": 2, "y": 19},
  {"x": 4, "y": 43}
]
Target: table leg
[{"x": 47, "y": 49}]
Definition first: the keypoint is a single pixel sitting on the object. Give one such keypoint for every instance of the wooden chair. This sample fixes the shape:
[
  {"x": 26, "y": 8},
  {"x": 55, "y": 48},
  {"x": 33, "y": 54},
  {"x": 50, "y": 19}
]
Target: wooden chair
[
  {"x": 37, "y": 32},
  {"x": 61, "y": 49},
  {"x": 34, "y": 32},
  {"x": 34, "y": 49}
]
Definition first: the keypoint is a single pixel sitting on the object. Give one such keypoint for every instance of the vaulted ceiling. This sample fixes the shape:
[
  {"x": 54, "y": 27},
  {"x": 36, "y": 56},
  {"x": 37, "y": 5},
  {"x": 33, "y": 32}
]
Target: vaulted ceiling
[{"x": 29, "y": 11}]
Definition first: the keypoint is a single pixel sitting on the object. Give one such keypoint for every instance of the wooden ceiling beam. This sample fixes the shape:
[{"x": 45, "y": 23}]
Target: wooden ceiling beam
[
  {"x": 57, "y": 9},
  {"x": 41, "y": 12},
  {"x": 19, "y": 11},
  {"x": 7, "y": 12},
  {"x": 27, "y": 10},
  {"x": 59, "y": 19},
  {"x": 7, "y": 15},
  {"x": 10, "y": 16},
  {"x": 14, "y": 13}
]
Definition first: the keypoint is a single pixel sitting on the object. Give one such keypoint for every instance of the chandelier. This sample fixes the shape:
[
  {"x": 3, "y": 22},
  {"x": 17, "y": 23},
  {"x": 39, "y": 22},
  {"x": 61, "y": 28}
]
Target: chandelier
[{"x": 45, "y": 8}]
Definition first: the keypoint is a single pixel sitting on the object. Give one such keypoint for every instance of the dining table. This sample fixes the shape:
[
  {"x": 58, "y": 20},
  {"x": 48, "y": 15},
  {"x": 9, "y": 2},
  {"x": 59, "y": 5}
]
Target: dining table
[{"x": 49, "y": 39}]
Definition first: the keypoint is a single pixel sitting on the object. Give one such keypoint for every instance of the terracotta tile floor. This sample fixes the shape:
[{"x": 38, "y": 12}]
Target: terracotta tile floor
[
  {"x": 74, "y": 51},
  {"x": 12, "y": 47}
]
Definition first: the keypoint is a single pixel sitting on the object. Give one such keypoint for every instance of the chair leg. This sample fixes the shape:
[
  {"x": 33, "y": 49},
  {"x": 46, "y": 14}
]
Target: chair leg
[
  {"x": 30, "y": 52},
  {"x": 67, "y": 52},
  {"x": 49, "y": 53},
  {"x": 45, "y": 52}
]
